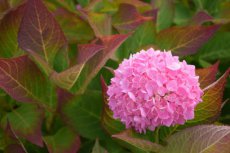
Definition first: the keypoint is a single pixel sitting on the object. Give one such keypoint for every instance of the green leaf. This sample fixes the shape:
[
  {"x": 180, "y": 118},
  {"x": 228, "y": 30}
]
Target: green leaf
[
  {"x": 99, "y": 22},
  {"x": 64, "y": 141},
  {"x": 9, "y": 27},
  {"x": 69, "y": 77},
  {"x": 207, "y": 75},
  {"x": 67, "y": 4},
  {"x": 182, "y": 13},
  {"x": 110, "y": 125},
  {"x": 165, "y": 14},
  {"x": 83, "y": 114},
  {"x": 140, "y": 5},
  {"x": 112, "y": 146},
  {"x": 92, "y": 67},
  {"x": 137, "y": 144},
  {"x": 23, "y": 81},
  {"x": 11, "y": 141},
  {"x": 75, "y": 29},
  {"x": 205, "y": 139},
  {"x": 40, "y": 33},
  {"x": 216, "y": 48},
  {"x": 142, "y": 37},
  {"x": 26, "y": 122},
  {"x": 97, "y": 148},
  {"x": 209, "y": 109},
  {"x": 185, "y": 40},
  {"x": 83, "y": 3}
]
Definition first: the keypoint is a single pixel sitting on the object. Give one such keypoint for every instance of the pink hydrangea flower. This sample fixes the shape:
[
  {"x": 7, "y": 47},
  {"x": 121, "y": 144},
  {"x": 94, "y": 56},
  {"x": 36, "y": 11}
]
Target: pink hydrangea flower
[{"x": 153, "y": 88}]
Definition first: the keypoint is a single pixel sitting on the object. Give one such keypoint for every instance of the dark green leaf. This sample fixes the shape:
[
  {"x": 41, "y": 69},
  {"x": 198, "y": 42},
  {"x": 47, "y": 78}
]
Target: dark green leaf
[
  {"x": 26, "y": 122},
  {"x": 64, "y": 141},
  {"x": 83, "y": 114}
]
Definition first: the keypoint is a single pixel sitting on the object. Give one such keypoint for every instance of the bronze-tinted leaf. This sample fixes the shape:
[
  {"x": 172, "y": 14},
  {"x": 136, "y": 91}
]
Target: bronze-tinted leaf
[
  {"x": 205, "y": 139},
  {"x": 137, "y": 144},
  {"x": 185, "y": 40},
  {"x": 110, "y": 43},
  {"x": 200, "y": 18},
  {"x": 209, "y": 109},
  {"x": 69, "y": 77},
  {"x": 207, "y": 75},
  {"x": 9, "y": 27},
  {"x": 40, "y": 33},
  {"x": 110, "y": 125},
  {"x": 128, "y": 19},
  {"x": 23, "y": 81}
]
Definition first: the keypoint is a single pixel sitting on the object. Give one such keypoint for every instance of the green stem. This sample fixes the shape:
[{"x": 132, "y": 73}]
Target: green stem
[{"x": 157, "y": 135}]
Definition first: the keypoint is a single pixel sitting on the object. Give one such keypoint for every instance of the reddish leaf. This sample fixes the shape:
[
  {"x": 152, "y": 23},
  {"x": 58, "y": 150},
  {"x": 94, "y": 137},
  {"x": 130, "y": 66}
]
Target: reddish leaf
[
  {"x": 9, "y": 27},
  {"x": 40, "y": 33},
  {"x": 23, "y": 81},
  {"x": 4, "y": 6},
  {"x": 64, "y": 141},
  {"x": 209, "y": 110},
  {"x": 128, "y": 18},
  {"x": 207, "y": 75},
  {"x": 30, "y": 118},
  {"x": 85, "y": 52},
  {"x": 110, "y": 125},
  {"x": 200, "y": 18},
  {"x": 151, "y": 13},
  {"x": 110, "y": 43},
  {"x": 14, "y": 148},
  {"x": 69, "y": 77},
  {"x": 200, "y": 139},
  {"x": 137, "y": 3},
  {"x": 12, "y": 141},
  {"x": 185, "y": 40},
  {"x": 137, "y": 144}
]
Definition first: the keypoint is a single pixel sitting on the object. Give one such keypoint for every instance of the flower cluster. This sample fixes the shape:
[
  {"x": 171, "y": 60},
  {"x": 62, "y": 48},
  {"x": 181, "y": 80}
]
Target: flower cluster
[{"x": 153, "y": 88}]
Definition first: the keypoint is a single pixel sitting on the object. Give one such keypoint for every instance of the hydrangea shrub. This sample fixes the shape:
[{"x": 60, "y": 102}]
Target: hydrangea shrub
[{"x": 114, "y": 76}]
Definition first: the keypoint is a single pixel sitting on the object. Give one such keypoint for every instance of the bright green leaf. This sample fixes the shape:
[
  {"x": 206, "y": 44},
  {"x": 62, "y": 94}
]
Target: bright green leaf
[{"x": 165, "y": 14}]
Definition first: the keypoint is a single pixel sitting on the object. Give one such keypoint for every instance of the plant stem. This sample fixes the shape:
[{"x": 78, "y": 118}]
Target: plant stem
[{"x": 157, "y": 135}]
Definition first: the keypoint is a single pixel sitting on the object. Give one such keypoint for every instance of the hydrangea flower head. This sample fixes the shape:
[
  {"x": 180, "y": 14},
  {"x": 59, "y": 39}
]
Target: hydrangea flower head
[{"x": 153, "y": 88}]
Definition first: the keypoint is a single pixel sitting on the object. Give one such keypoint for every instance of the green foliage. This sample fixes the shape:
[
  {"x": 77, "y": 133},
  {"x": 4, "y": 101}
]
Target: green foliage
[{"x": 51, "y": 51}]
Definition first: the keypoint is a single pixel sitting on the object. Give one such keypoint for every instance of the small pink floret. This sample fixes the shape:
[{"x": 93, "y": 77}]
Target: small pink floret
[{"x": 153, "y": 88}]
